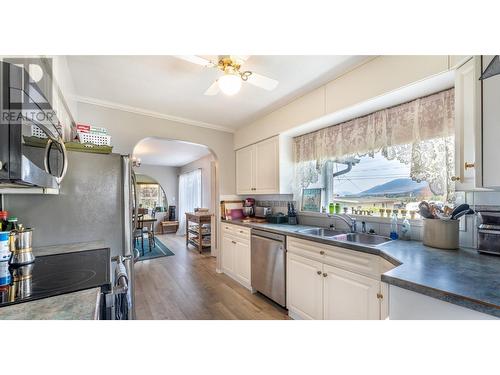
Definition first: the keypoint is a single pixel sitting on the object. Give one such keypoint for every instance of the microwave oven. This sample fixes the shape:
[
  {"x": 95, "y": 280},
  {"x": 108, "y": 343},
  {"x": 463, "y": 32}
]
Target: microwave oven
[{"x": 23, "y": 106}]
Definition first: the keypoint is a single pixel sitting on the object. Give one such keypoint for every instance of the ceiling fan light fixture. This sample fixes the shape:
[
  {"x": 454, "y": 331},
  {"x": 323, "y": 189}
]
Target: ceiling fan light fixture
[{"x": 230, "y": 84}]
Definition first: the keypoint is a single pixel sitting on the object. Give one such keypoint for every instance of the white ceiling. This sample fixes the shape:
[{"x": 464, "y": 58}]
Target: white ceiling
[
  {"x": 165, "y": 85},
  {"x": 155, "y": 151}
]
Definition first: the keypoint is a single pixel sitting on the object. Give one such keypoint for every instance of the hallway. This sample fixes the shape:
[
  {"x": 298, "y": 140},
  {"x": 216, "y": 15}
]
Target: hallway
[{"x": 186, "y": 286}]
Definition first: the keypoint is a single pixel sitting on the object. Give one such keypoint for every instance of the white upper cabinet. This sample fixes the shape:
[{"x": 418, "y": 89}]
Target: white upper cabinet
[
  {"x": 490, "y": 134},
  {"x": 245, "y": 159},
  {"x": 467, "y": 123},
  {"x": 265, "y": 167}
]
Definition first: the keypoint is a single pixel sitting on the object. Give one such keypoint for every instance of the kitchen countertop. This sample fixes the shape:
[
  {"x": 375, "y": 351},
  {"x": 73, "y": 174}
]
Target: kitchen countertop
[
  {"x": 68, "y": 248},
  {"x": 462, "y": 277},
  {"x": 82, "y": 305}
]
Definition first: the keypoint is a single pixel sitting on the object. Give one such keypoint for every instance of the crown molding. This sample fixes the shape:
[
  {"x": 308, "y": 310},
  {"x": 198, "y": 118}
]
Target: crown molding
[{"x": 145, "y": 112}]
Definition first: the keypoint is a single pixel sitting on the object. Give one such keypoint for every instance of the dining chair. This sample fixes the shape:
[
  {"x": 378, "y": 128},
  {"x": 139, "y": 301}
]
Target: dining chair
[
  {"x": 139, "y": 231},
  {"x": 151, "y": 231}
]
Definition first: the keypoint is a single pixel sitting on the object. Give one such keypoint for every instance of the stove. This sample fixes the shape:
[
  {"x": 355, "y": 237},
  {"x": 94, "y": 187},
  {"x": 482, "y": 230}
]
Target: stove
[{"x": 57, "y": 274}]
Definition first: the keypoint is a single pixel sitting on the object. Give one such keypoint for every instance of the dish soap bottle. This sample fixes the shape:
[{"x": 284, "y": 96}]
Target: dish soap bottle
[
  {"x": 394, "y": 227},
  {"x": 406, "y": 230}
]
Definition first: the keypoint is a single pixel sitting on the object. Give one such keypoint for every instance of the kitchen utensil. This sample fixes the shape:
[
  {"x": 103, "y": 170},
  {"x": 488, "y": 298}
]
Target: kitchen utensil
[
  {"x": 460, "y": 208},
  {"x": 424, "y": 210},
  {"x": 458, "y": 215},
  {"x": 20, "y": 246},
  {"x": 442, "y": 234}
]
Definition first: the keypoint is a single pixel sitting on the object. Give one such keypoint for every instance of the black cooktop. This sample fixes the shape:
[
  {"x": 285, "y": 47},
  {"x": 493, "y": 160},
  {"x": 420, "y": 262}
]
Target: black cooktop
[{"x": 56, "y": 274}]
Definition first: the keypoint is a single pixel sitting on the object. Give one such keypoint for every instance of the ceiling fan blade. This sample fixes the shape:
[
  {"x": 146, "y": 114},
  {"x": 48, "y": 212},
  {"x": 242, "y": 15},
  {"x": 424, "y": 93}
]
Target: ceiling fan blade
[
  {"x": 196, "y": 60},
  {"x": 213, "y": 89},
  {"x": 263, "y": 82}
]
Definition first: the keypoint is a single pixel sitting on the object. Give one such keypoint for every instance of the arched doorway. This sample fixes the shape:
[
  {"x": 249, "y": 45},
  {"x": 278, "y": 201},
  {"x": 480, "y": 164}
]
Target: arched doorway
[{"x": 167, "y": 159}]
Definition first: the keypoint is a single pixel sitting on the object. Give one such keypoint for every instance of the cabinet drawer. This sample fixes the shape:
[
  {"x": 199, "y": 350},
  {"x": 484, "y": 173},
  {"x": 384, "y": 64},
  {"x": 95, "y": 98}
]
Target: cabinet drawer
[
  {"x": 237, "y": 231},
  {"x": 351, "y": 260}
]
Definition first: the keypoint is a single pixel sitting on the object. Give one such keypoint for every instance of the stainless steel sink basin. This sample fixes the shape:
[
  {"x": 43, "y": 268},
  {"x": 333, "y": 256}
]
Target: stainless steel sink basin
[
  {"x": 321, "y": 232},
  {"x": 362, "y": 238}
]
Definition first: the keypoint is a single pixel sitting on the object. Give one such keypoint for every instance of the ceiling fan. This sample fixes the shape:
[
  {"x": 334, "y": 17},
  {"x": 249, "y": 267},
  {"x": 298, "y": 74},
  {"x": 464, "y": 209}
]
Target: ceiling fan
[{"x": 230, "y": 82}]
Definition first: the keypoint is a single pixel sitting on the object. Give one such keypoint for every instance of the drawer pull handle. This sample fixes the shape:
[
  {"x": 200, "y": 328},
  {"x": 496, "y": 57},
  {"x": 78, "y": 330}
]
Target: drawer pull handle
[
  {"x": 241, "y": 231},
  {"x": 234, "y": 242},
  {"x": 322, "y": 252},
  {"x": 380, "y": 295},
  {"x": 318, "y": 272},
  {"x": 325, "y": 274}
]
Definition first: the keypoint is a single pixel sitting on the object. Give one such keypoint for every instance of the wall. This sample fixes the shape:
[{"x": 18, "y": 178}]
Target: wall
[
  {"x": 167, "y": 177},
  {"x": 377, "y": 77},
  {"x": 127, "y": 128},
  {"x": 206, "y": 178}
]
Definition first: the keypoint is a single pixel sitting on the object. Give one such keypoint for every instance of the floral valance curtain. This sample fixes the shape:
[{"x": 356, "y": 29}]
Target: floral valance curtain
[{"x": 419, "y": 133}]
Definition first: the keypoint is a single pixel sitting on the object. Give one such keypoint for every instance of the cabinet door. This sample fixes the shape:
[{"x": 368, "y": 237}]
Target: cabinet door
[
  {"x": 348, "y": 295},
  {"x": 304, "y": 287},
  {"x": 242, "y": 260},
  {"x": 490, "y": 128},
  {"x": 228, "y": 245},
  {"x": 466, "y": 118},
  {"x": 245, "y": 170},
  {"x": 267, "y": 166}
]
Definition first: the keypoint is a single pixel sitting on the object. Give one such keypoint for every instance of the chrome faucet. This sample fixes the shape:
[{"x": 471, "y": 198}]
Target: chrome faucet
[{"x": 350, "y": 221}]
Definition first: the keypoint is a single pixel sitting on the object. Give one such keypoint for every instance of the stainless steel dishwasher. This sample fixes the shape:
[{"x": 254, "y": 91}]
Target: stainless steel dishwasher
[{"x": 269, "y": 265}]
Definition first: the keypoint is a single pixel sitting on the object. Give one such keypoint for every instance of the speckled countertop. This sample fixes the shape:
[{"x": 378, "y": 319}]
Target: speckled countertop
[
  {"x": 82, "y": 305},
  {"x": 462, "y": 277}
]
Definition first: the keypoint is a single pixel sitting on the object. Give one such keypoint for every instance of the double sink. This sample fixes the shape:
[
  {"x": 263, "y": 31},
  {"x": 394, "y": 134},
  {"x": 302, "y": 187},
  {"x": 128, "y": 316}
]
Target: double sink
[{"x": 337, "y": 235}]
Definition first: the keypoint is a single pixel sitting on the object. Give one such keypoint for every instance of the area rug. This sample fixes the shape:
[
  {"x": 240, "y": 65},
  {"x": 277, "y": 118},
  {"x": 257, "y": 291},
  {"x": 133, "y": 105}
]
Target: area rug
[{"x": 160, "y": 250}]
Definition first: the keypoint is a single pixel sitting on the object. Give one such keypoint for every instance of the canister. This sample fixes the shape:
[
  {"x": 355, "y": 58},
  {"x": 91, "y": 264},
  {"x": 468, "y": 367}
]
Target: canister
[{"x": 4, "y": 246}]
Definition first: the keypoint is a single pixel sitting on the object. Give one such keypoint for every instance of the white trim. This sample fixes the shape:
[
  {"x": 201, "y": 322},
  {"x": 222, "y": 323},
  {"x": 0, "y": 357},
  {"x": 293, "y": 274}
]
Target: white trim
[{"x": 145, "y": 112}]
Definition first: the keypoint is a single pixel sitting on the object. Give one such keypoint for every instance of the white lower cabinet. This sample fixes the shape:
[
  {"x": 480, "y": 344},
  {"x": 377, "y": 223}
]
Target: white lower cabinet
[
  {"x": 347, "y": 295},
  {"x": 329, "y": 287},
  {"x": 228, "y": 254},
  {"x": 236, "y": 256},
  {"x": 304, "y": 287},
  {"x": 242, "y": 262}
]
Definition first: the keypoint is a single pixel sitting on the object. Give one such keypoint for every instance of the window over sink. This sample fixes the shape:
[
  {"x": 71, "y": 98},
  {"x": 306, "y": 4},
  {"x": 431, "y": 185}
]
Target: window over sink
[{"x": 390, "y": 159}]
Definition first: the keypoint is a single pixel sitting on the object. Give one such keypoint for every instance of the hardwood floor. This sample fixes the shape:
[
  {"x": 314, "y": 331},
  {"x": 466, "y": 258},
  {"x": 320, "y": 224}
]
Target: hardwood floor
[{"x": 186, "y": 286}]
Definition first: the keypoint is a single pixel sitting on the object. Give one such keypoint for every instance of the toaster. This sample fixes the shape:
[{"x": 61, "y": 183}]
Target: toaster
[
  {"x": 262, "y": 211},
  {"x": 488, "y": 232}
]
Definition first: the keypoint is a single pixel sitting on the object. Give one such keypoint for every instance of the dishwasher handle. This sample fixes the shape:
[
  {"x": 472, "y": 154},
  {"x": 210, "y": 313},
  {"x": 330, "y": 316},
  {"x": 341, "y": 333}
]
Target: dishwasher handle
[{"x": 268, "y": 235}]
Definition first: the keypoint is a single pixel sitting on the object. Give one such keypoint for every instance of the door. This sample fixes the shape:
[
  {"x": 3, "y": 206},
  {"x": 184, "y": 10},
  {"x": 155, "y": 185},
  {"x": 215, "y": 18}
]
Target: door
[
  {"x": 228, "y": 245},
  {"x": 349, "y": 296},
  {"x": 267, "y": 166},
  {"x": 466, "y": 118},
  {"x": 245, "y": 170},
  {"x": 304, "y": 287},
  {"x": 242, "y": 262}
]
